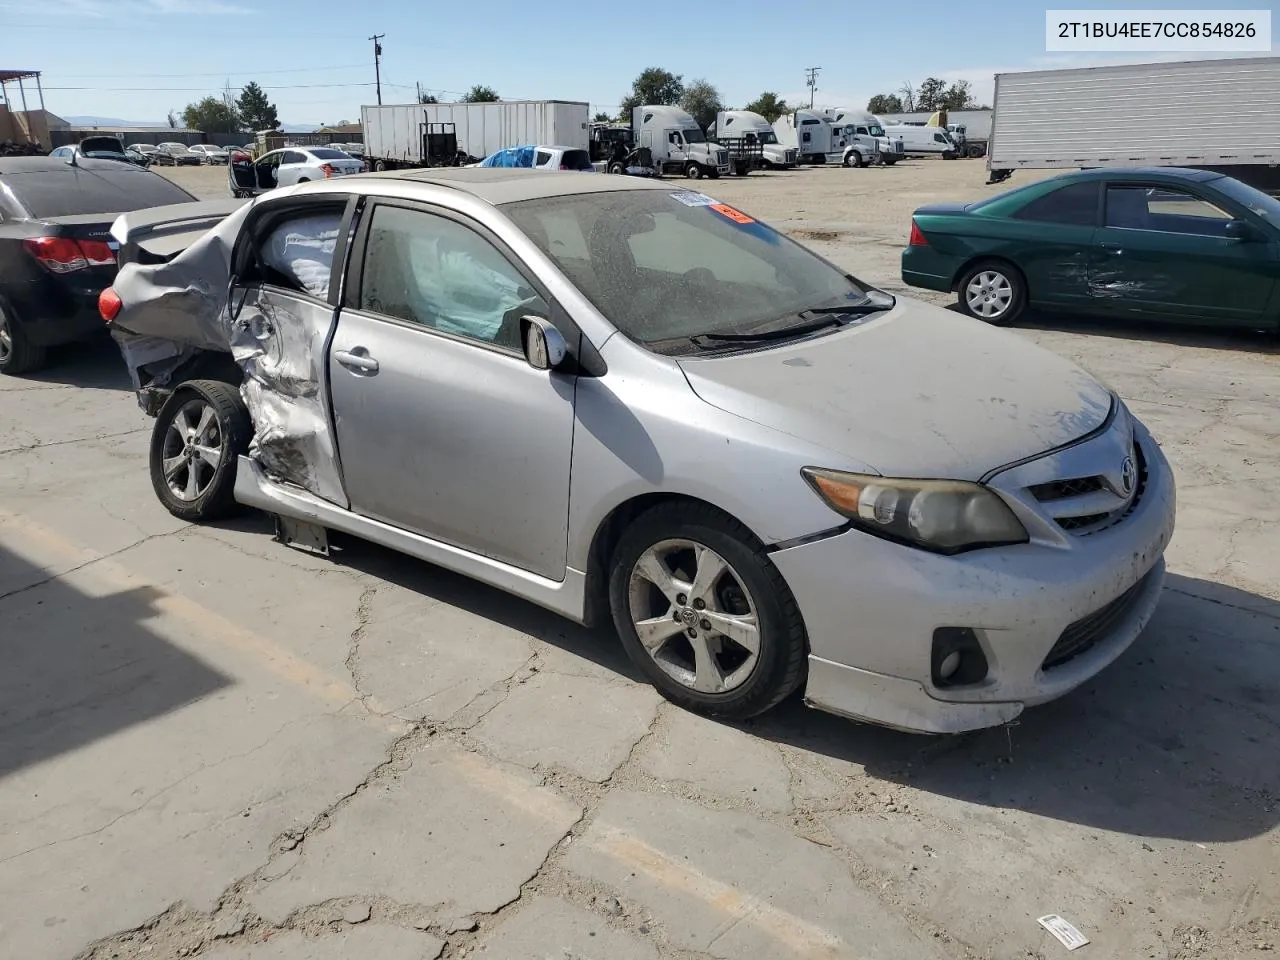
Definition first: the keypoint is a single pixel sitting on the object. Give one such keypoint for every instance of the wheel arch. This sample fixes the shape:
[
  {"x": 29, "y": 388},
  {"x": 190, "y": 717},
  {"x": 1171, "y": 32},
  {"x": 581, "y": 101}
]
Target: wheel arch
[
  {"x": 979, "y": 258},
  {"x": 609, "y": 531}
]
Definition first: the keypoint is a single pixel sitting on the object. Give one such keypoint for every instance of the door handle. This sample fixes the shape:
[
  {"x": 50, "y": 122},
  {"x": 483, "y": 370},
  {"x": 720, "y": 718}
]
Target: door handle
[{"x": 356, "y": 361}]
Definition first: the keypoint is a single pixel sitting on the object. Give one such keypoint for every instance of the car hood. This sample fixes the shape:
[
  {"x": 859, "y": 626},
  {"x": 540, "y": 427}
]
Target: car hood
[{"x": 916, "y": 392}]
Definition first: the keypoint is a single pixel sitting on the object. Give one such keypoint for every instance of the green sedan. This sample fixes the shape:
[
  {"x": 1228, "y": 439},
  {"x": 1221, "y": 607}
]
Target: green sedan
[{"x": 1166, "y": 243}]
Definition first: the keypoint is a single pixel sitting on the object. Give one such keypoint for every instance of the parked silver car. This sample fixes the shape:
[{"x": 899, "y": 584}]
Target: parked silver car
[{"x": 619, "y": 399}]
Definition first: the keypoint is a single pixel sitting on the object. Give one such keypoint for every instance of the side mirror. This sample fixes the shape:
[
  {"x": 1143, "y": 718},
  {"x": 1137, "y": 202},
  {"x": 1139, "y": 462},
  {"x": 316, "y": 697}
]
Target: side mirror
[
  {"x": 544, "y": 347},
  {"x": 1239, "y": 230}
]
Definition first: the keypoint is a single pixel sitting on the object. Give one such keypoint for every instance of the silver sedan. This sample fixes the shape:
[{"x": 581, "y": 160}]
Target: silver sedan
[{"x": 622, "y": 400}]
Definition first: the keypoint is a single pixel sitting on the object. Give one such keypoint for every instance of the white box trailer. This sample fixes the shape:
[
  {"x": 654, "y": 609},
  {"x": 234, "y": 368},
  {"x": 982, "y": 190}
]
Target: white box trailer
[
  {"x": 1218, "y": 114},
  {"x": 395, "y": 135}
]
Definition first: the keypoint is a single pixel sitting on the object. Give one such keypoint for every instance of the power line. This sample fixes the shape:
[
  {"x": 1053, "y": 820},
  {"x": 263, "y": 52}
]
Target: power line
[
  {"x": 215, "y": 73},
  {"x": 298, "y": 86}
]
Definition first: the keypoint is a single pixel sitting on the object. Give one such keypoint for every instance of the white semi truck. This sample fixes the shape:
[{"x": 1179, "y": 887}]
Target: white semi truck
[
  {"x": 677, "y": 143},
  {"x": 419, "y": 134},
  {"x": 860, "y": 139},
  {"x": 970, "y": 129},
  {"x": 1213, "y": 114},
  {"x": 809, "y": 132},
  {"x": 746, "y": 125}
]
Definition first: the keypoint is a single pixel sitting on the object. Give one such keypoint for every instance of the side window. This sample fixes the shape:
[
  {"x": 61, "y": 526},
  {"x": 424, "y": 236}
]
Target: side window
[
  {"x": 542, "y": 158},
  {"x": 806, "y": 136},
  {"x": 1076, "y": 203},
  {"x": 939, "y": 138},
  {"x": 1166, "y": 209},
  {"x": 297, "y": 253},
  {"x": 862, "y": 131},
  {"x": 440, "y": 274},
  {"x": 293, "y": 156},
  {"x": 673, "y": 138}
]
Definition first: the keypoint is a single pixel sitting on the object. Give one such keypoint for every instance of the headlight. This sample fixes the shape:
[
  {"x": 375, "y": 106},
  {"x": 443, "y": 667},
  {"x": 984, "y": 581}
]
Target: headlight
[{"x": 945, "y": 516}]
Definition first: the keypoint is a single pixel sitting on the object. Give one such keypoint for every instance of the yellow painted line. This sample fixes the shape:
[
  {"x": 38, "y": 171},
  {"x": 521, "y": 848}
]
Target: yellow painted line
[{"x": 203, "y": 621}]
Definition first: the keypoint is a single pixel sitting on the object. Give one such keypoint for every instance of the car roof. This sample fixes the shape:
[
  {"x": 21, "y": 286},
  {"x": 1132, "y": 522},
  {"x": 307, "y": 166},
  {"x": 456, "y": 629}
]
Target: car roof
[
  {"x": 499, "y": 185},
  {"x": 10, "y": 166},
  {"x": 1141, "y": 173}
]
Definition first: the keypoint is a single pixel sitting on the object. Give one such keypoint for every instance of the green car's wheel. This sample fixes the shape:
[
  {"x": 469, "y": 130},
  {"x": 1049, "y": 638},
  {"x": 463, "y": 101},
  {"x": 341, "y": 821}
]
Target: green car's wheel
[{"x": 993, "y": 291}]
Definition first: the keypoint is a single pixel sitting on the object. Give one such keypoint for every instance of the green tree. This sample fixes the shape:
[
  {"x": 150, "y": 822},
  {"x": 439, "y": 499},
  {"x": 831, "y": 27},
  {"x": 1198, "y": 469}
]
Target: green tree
[
  {"x": 602, "y": 118},
  {"x": 427, "y": 98},
  {"x": 481, "y": 94},
  {"x": 653, "y": 86},
  {"x": 256, "y": 111},
  {"x": 929, "y": 96},
  {"x": 701, "y": 100},
  {"x": 958, "y": 97},
  {"x": 768, "y": 106},
  {"x": 211, "y": 115},
  {"x": 884, "y": 103}
]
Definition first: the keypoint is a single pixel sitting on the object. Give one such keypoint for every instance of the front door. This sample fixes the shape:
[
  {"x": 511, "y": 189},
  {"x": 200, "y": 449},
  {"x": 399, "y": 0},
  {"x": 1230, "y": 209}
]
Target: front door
[
  {"x": 241, "y": 172},
  {"x": 443, "y": 427},
  {"x": 1163, "y": 251}
]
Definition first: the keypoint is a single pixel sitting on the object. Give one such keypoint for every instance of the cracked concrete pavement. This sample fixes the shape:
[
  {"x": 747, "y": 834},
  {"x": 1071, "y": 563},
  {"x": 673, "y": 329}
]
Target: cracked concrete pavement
[{"x": 213, "y": 746}]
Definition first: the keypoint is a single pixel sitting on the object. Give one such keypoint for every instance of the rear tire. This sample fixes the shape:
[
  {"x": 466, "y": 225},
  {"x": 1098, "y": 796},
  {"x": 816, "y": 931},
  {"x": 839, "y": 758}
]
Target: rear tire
[
  {"x": 710, "y": 672},
  {"x": 380, "y": 166},
  {"x": 993, "y": 291},
  {"x": 17, "y": 353},
  {"x": 201, "y": 431}
]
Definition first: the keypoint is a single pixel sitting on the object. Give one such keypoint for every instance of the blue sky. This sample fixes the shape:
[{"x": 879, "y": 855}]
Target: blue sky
[{"x": 137, "y": 59}]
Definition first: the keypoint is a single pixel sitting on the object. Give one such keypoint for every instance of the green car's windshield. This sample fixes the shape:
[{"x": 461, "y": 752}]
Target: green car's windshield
[
  {"x": 1267, "y": 207},
  {"x": 669, "y": 264}
]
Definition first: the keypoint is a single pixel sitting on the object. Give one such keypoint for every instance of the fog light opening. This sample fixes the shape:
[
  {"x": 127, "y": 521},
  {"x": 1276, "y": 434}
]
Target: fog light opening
[{"x": 957, "y": 659}]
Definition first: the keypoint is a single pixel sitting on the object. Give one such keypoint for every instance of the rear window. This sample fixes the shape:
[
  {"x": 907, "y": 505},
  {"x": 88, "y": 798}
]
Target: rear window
[
  {"x": 61, "y": 193},
  {"x": 324, "y": 154},
  {"x": 91, "y": 145}
]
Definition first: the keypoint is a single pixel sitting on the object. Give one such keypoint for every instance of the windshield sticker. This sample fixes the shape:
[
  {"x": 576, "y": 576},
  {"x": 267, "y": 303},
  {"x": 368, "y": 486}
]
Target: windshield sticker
[
  {"x": 691, "y": 199},
  {"x": 737, "y": 216}
]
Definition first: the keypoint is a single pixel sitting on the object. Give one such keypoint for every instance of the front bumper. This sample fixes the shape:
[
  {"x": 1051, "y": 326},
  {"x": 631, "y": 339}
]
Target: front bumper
[{"x": 871, "y": 608}]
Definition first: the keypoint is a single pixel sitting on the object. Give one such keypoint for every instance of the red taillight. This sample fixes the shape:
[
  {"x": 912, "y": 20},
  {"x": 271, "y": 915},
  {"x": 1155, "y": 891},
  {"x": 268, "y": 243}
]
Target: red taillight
[
  {"x": 109, "y": 304},
  {"x": 64, "y": 255},
  {"x": 917, "y": 238},
  {"x": 328, "y": 170}
]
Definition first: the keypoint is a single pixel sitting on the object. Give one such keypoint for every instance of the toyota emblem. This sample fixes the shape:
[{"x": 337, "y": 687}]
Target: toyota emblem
[{"x": 1128, "y": 476}]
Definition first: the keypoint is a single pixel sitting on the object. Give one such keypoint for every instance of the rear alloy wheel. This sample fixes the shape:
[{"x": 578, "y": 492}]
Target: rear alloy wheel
[
  {"x": 993, "y": 292},
  {"x": 704, "y": 614},
  {"x": 17, "y": 353},
  {"x": 201, "y": 431}
]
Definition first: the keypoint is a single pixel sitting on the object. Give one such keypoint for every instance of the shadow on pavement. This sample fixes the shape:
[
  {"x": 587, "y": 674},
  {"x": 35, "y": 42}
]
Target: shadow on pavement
[
  {"x": 91, "y": 363},
  {"x": 1177, "y": 739},
  {"x": 78, "y": 668},
  {"x": 600, "y": 646}
]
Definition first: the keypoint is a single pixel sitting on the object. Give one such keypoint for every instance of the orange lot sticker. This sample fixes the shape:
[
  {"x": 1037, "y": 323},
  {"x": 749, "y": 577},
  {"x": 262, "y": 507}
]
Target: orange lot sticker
[{"x": 737, "y": 216}]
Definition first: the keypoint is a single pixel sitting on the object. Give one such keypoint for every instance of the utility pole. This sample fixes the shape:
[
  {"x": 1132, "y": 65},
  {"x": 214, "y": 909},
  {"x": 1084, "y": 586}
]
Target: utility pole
[
  {"x": 811, "y": 81},
  {"x": 419, "y": 85},
  {"x": 377, "y": 63}
]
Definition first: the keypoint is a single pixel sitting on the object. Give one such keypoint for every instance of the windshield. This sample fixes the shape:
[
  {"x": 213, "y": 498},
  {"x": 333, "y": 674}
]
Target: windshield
[
  {"x": 693, "y": 135},
  {"x": 668, "y": 265},
  {"x": 1267, "y": 207},
  {"x": 876, "y": 130},
  {"x": 767, "y": 136}
]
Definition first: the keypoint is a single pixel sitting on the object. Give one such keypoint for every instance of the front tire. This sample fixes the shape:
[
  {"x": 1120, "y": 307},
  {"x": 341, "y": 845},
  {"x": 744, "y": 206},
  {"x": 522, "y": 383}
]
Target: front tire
[
  {"x": 704, "y": 613},
  {"x": 17, "y": 353},
  {"x": 993, "y": 291},
  {"x": 201, "y": 431},
  {"x": 693, "y": 171}
]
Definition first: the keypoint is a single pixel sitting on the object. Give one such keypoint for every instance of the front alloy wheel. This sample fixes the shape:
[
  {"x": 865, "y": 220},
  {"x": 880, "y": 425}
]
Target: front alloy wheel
[
  {"x": 704, "y": 613},
  {"x": 693, "y": 616}
]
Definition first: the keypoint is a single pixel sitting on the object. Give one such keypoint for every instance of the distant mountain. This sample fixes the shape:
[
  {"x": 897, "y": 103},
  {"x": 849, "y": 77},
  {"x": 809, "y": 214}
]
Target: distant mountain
[
  {"x": 112, "y": 122},
  {"x": 117, "y": 122}
]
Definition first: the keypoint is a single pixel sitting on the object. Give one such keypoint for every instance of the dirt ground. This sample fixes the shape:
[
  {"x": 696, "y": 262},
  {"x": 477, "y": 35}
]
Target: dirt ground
[{"x": 213, "y": 746}]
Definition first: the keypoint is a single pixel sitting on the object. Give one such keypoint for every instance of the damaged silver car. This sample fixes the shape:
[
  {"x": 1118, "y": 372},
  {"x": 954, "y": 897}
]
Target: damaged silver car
[{"x": 621, "y": 400}]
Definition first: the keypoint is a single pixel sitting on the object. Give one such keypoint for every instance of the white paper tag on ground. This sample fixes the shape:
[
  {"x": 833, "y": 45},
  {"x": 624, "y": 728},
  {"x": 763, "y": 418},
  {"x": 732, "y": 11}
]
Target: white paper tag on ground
[
  {"x": 1067, "y": 935},
  {"x": 691, "y": 199}
]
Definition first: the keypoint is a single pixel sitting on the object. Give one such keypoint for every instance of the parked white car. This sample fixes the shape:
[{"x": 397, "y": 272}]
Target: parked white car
[
  {"x": 211, "y": 153},
  {"x": 286, "y": 167}
]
